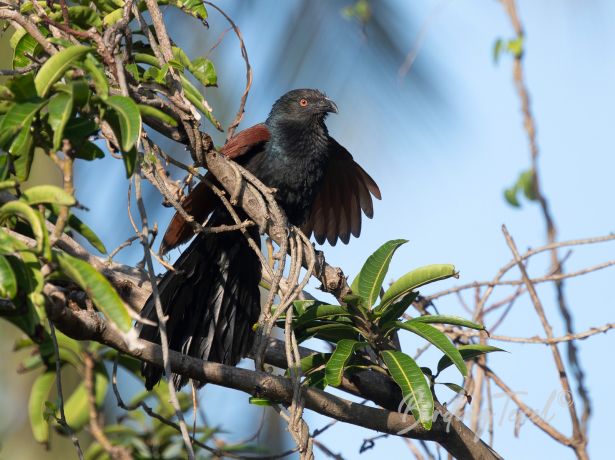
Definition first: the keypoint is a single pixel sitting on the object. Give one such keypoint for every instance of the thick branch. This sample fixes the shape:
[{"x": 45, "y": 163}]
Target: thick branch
[{"x": 86, "y": 325}]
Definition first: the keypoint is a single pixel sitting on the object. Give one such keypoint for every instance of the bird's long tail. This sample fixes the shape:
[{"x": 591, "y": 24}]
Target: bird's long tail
[{"x": 212, "y": 301}]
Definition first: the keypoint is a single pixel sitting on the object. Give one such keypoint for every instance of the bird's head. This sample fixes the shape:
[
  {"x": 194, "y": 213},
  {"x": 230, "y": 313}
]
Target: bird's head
[{"x": 302, "y": 106}]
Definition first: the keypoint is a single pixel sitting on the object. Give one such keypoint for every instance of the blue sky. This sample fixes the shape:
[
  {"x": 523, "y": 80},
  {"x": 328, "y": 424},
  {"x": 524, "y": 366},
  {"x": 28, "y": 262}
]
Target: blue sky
[{"x": 442, "y": 154}]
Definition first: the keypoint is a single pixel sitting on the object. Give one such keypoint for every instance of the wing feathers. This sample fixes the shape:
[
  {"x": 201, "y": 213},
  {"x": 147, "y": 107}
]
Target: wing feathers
[{"x": 346, "y": 191}]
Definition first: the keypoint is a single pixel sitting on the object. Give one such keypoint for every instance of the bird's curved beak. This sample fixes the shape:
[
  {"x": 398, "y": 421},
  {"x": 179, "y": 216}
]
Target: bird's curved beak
[{"x": 328, "y": 105}]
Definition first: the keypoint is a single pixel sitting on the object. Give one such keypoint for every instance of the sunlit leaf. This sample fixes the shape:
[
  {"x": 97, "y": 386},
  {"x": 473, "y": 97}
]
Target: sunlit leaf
[
  {"x": 76, "y": 406},
  {"x": 36, "y": 405},
  {"x": 204, "y": 71},
  {"x": 129, "y": 120},
  {"x": 408, "y": 375},
  {"x": 149, "y": 111},
  {"x": 97, "y": 288},
  {"x": 47, "y": 194},
  {"x": 447, "y": 319},
  {"x": 437, "y": 338},
  {"x": 334, "y": 370},
  {"x": 8, "y": 282},
  {"x": 369, "y": 280},
  {"x": 29, "y": 215},
  {"x": 53, "y": 69},
  {"x": 415, "y": 279},
  {"x": 60, "y": 109}
]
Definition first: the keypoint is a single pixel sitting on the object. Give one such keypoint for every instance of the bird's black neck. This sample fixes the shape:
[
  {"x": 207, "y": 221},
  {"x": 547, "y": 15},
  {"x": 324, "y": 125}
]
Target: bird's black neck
[{"x": 294, "y": 164}]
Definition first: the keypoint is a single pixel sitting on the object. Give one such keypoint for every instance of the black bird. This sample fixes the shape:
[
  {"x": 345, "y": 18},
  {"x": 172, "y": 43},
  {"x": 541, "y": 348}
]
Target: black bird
[{"x": 212, "y": 298}]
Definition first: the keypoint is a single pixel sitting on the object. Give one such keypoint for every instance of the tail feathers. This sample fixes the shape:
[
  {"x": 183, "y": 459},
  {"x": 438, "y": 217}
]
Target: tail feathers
[{"x": 212, "y": 301}]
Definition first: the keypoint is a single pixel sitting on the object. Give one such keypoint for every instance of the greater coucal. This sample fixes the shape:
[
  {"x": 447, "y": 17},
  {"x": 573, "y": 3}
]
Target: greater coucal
[{"x": 212, "y": 298}]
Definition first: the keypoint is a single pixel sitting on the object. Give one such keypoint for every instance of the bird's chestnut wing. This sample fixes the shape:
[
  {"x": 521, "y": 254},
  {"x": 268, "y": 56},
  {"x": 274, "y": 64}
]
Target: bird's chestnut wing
[{"x": 202, "y": 201}]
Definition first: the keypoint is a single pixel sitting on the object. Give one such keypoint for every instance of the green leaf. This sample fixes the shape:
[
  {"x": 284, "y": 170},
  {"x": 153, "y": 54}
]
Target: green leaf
[
  {"x": 204, "y": 71},
  {"x": 98, "y": 76},
  {"x": 60, "y": 109},
  {"x": 408, "y": 375},
  {"x": 88, "y": 151},
  {"x": 7, "y": 184},
  {"x": 36, "y": 405},
  {"x": 415, "y": 279},
  {"x": 195, "y": 8},
  {"x": 334, "y": 370},
  {"x": 515, "y": 47},
  {"x": 527, "y": 183},
  {"x": 497, "y": 50},
  {"x": 113, "y": 17},
  {"x": 129, "y": 120},
  {"x": 84, "y": 17},
  {"x": 149, "y": 111},
  {"x": 29, "y": 215},
  {"x": 467, "y": 352},
  {"x": 80, "y": 227},
  {"x": 18, "y": 119},
  {"x": 510, "y": 195},
  {"x": 260, "y": 401},
  {"x": 53, "y": 69},
  {"x": 437, "y": 338},
  {"x": 97, "y": 287},
  {"x": 47, "y": 194},
  {"x": 317, "y": 311},
  {"x": 22, "y": 87},
  {"x": 446, "y": 319},
  {"x": 22, "y": 151},
  {"x": 454, "y": 387},
  {"x": 8, "y": 282},
  {"x": 369, "y": 280},
  {"x": 76, "y": 407},
  {"x": 393, "y": 311},
  {"x": 332, "y": 332},
  {"x": 23, "y": 45}
]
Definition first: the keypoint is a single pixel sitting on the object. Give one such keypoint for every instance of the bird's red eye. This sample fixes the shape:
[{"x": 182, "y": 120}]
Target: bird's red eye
[{"x": 303, "y": 102}]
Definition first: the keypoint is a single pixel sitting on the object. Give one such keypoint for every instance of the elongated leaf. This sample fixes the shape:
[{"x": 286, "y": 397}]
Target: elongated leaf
[
  {"x": 97, "y": 287},
  {"x": 82, "y": 228},
  {"x": 22, "y": 87},
  {"x": 23, "y": 45},
  {"x": 53, "y": 69},
  {"x": 6, "y": 184},
  {"x": 60, "y": 109},
  {"x": 333, "y": 332},
  {"x": 22, "y": 151},
  {"x": 29, "y": 215},
  {"x": 437, "y": 338},
  {"x": 8, "y": 282},
  {"x": 98, "y": 76},
  {"x": 47, "y": 194},
  {"x": 408, "y": 375},
  {"x": 129, "y": 120},
  {"x": 334, "y": 370},
  {"x": 36, "y": 405},
  {"x": 394, "y": 310},
  {"x": 415, "y": 279},
  {"x": 76, "y": 407},
  {"x": 88, "y": 151},
  {"x": 369, "y": 280},
  {"x": 17, "y": 119},
  {"x": 319, "y": 311},
  {"x": 148, "y": 111},
  {"x": 313, "y": 361},
  {"x": 467, "y": 352},
  {"x": 446, "y": 319},
  {"x": 204, "y": 71}
]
